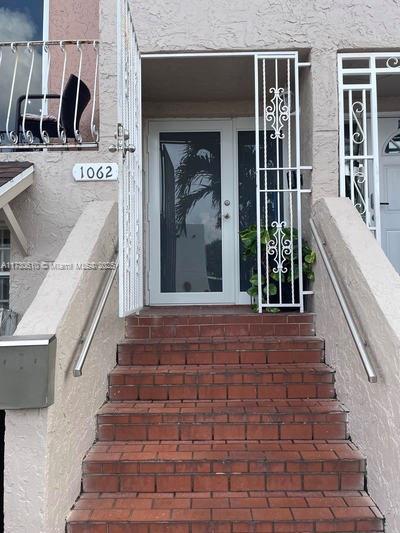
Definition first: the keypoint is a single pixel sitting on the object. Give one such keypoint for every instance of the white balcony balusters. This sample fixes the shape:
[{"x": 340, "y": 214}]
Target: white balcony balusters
[{"x": 48, "y": 97}]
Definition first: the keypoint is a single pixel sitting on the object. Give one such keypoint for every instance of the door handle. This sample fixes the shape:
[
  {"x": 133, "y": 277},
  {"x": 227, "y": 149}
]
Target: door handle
[
  {"x": 122, "y": 142},
  {"x": 384, "y": 203}
]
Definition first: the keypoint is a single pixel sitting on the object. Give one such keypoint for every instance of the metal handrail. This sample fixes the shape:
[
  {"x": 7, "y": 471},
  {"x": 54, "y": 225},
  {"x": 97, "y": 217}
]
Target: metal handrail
[
  {"x": 94, "y": 322},
  {"x": 359, "y": 341}
]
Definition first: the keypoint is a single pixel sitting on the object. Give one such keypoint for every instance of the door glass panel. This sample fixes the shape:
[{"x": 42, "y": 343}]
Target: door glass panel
[
  {"x": 247, "y": 191},
  {"x": 190, "y": 218}
]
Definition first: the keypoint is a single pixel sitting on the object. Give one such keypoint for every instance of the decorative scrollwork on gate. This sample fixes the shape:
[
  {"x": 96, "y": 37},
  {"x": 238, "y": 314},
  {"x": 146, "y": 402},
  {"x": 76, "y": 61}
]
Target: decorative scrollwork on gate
[
  {"x": 359, "y": 174},
  {"x": 357, "y": 110},
  {"x": 393, "y": 62},
  {"x": 279, "y": 247},
  {"x": 277, "y": 113},
  {"x": 360, "y": 178}
]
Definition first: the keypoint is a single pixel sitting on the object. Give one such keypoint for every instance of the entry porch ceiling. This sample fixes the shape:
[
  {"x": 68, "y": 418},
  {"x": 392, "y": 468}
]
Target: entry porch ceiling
[
  {"x": 199, "y": 79},
  {"x": 207, "y": 79}
]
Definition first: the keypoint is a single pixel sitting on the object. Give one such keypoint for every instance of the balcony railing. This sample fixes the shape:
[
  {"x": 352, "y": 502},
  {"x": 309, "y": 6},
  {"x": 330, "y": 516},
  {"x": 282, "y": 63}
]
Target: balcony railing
[{"x": 49, "y": 95}]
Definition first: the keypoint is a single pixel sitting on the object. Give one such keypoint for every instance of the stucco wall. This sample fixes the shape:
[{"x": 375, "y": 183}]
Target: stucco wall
[
  {"x": 372, "y": 288},
  {"x": 320, "y": 26},
  {"x": 74, "y": 20},
  {"x": 49, "y": 209},
  {"x": 45, "y": 448}
]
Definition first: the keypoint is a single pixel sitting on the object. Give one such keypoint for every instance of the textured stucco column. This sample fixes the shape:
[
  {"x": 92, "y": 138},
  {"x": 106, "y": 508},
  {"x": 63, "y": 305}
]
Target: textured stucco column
[
  {"x": 44, "y": 448},
  {"x": 372, "y": 288},
  {"x": 325, "y": 123},
  {"x": 42, "y": 469}
]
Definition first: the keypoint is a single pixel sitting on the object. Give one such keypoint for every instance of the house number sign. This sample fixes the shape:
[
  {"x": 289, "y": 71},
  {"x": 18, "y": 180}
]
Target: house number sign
[{"x": 95, "y": 172}]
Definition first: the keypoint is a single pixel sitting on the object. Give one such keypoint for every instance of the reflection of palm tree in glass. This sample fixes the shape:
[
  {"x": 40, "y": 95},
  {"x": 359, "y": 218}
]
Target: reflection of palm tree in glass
[
  {"x": 247, "y": 192},
  {"x": 197, "y": 177}
]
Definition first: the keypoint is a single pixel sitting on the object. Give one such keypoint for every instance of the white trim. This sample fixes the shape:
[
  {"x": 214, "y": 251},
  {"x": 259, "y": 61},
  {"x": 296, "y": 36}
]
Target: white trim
[
  {"x": 258, "y": 207},
  {"x": 358, "y": 55},
  {"x": 182, "y": 55},
  {"x": 46, "y": 20},
  {"x": 13, "y": 224},
  {"x": 14, "y": 187},
  {"x": 376, "y": 152},
  {"x": 128, "y": 135},
  {"x": 260, "y": 54},
  {"x": 298, "y": 179},
  {"x": 8, "y": 192},
  {"x": 45, "y": 36}
]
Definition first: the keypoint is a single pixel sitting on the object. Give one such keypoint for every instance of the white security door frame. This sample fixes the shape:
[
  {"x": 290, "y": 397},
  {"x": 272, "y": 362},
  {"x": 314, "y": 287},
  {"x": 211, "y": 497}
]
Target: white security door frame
[
  {"x": 279, "y": 189},
  {"x": 129, "y": 144},
  {"x": 277, "y": 107},
  {"x": 359, "y": 148}
]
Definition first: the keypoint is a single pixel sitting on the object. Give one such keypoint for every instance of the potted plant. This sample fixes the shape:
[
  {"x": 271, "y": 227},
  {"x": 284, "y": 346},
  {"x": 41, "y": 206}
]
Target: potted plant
[{"x": 289, "y": 271}]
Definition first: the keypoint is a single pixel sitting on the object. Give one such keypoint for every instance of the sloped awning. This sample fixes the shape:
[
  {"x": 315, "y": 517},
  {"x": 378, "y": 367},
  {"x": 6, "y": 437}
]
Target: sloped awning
[{"x": 15, "y": 177}]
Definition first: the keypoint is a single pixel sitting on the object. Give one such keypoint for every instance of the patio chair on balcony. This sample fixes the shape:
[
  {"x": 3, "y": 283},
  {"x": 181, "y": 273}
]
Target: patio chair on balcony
[{"x": 67, "y": 115}]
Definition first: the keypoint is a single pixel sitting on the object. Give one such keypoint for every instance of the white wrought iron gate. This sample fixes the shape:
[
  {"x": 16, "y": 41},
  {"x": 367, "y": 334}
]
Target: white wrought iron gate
[
  {"x": 279, "y": 181},
  {"x": 129, "y": 143},
  {"x": 358, "y": 139}
]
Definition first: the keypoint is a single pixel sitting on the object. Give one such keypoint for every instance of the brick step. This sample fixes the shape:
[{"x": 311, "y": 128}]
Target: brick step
[
  {"x": 157, "y": 324},
  {"x": 226, "y": 512},
  {"x": 223, "y": 466},
  {"x": 240, "y": 350},
  {"x": 216, "y": 382},
  {"x": 280, "y": 419}
]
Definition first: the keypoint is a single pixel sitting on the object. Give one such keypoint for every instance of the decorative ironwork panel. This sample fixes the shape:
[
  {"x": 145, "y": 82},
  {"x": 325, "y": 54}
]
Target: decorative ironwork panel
[
  {"x": 50, "y": 95},
  {"x": 130, "y": 187},
  {"x": 358, "y": 154},
  {"x": 358, "y": 76},
  {"x": 279, "y": 185}
]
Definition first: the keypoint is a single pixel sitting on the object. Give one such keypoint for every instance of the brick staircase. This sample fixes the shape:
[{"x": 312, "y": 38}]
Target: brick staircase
[{"x": 222, "y": 421}]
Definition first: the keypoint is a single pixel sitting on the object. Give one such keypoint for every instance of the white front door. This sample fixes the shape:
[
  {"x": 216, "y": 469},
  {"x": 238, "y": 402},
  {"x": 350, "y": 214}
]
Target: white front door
[
  {"x": 202, "y": 193},
  {"x": 191, "y": 209},
  {"x": 389, "y": 137}
]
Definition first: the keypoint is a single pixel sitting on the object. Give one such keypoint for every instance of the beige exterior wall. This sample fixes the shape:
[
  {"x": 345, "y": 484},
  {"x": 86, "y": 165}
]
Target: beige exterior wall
[
  {"x": 317, "y": 29},
  {"x": 51, "y": 207},
  {"x": 74, "y": 19},
  {"x": 372, "y": 288},
  {"x": 320, "y": 28},
  {"x": 44, "y": 448}
]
